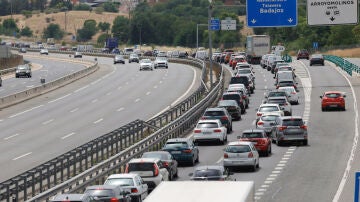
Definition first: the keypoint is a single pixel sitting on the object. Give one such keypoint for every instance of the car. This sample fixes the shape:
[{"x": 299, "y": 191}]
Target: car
[
  {"x": 286, "y": 82},
  {"x": 271, "y": 60},
  {"x": 260, "y": 138},
  {"x": 232, "y": 107},
  {"x": 317, "y": 59},
  {"x": 210, "y": 130},
  {"x": 183, "y": 150},
  {"x": 63, "y": 48},
  {"x": 134, "y": 58},
  {"x": 247, "y": 72},
  {"x": 333, "y": 100},
  {"x": 242, "y": 80},
  {"x": 267, "y": 109},
  {"x": 275, "y": 93},
  {"x": 210, "y": 173},
  {"x": 22, "y": 50},
  {"x": 284, "y": 75},
  {"x": 151, "y": 170},
  {"x": 44, "y": 51},
  {"x": 183, "y": 54},
  {"x": 283, "y": 102},
  {"x": 149, "y": 53},
  {"x": 280, "y": 64},
  {"x": 289, "y": 129},
  {"x": 161, "y": 62},
  {"x": 146, "y": 64},
  {"x": 241, "y": 154},
  {"x": 119, "y": 59},
  {"x": 73, "y": 198},
  {"x": 263, "y": 60},
  {"x": 242, "y": 90},
  {"x": 266, "y": 122},
  {"x": 274, "y": 63},
  {"x": 108, "y": 193},
  {"x": 237, "y": 59},
  {"x": 161, "y": 54},
  {"x": 77, "y": 55},
  {"x": 167, "y": 159},
  {"x": 129, "y": 51},
  {"x": 0, "y": 81},
  {"x": 293, "y": 96},
  {"x": 302, "y": 54},
  {"x": 238, "y": 97},
  {"x": 219, "y": 113},
  {"x": 23, "y": 71},
  {"x": 130, "y": 182}
]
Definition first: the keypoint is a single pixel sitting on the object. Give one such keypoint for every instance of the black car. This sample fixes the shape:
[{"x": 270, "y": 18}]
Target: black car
[
  {"x": 167, "y": 159},
  {"x": 243, "y": 80},
  {"x": 210, "y": 173},
  {"x": 317, "y": 59},
  {"x": 108, "y": 193},
  {"x": 23, "y": 70},
  {"x": 232, "y": 107}
]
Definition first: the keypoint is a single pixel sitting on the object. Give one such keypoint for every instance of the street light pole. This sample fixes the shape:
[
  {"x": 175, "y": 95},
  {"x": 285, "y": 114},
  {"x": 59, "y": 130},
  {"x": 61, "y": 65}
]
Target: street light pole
[{"x": 210, "y": 44}]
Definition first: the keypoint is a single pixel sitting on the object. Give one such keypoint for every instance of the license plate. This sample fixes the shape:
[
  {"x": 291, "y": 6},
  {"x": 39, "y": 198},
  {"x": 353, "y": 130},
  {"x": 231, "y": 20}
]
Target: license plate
[
  {"x": 206, "y": 133},
  {"x": 332, "y": 105},
  {"x": 176, "y": 152}
]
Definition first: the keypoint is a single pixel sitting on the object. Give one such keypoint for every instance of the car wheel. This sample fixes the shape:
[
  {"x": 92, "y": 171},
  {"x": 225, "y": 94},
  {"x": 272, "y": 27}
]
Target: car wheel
[
  {"x": 192, "y": 163},
  {"x": 176, "y": 173},
  {"x": 129, "y": 61},
  {"x": 114, "y": 63},
  {"x": 305, "y": 142},
  {"x": 197, "y": 159},
  {"x": 278, "y": 143},
  {"x": 170, "y": 176},
  {"x": 267, "y": 151},
  {"x": 222, "y": 142},
  {"x": 253, "y": 167},
  {"x": 323, "y": 109},
  {"x": 270, "y": 151}
]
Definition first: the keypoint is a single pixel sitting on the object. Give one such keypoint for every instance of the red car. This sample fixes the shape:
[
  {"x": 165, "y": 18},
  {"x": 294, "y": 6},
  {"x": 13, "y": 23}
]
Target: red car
[
  {"x": 333, "y": 99},
  {"x": 260, "y": 139},
  {"x": 302, "y": 54}
]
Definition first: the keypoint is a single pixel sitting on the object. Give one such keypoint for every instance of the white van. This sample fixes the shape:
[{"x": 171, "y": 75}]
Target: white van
[{"x": 202, "y": 55}]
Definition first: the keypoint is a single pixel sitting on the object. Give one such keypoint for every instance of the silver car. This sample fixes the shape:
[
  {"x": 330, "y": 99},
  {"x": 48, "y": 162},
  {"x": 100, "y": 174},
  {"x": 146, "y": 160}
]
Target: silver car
[
  {"x": 293, "y": 96},
  {"x": 146, "y": 64},
  {"x": 241, "y": 154},
  {"x": 283, "y": 102},
  {"x": 119, "y": 59},
  {"x": 290, "y": 129},
  {"x": 267, "y": 122},
  {"x": 160, "y": 62}
]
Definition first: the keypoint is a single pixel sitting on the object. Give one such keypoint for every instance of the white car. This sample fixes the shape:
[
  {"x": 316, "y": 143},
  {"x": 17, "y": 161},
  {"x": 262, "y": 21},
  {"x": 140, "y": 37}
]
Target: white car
[
  {"x": 161, "y": 54},
  {"x": 146, "y": 64},
  {"x": 210, "y": 130},
  {"x": 130, "y": 182},
  {"x": 283, "y": 102},
  {"x": 267, "y": 122},
  {"x": 246, "y": 71},
  {"x": 293, "y": 96},
  {"x": 44, "y": 51},
  {"x": 150, "y": 170},
  {"x": 241, "y": 154},
  {"x": 268, "y": 108},
  {"x": 235, "y": 87},
  {"x": 160, "y": 62}
]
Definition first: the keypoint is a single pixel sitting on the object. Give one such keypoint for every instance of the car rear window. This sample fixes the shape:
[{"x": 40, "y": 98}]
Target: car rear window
[
  {"x": 238, "y": 149},
  {"x": 141, "y": 166},
  {"x": 293, "y": 122},
  {"x": 100, "y": 192},
  {"x": 214, "y": 113},
  {"x": 240, "y": 79},
  {"x": 268, "y": 118},
  {"x": 333, "y": 95},
  {"x": 268, "y": 109},
  {"x": 231, "y": 97},
  {"x": 175, "y": 145},
  {"x": 120, "y": 181},
  {"x": 207, "y": 125},
  {"x": 244, "y": 71},
  {"x": 207, "y": 173},
  {"x": 155, "y": 155},
  {"x": 277, "y": 94},
  {"x": 252, "y": 135},
  {"x": 276, "y": 101}
]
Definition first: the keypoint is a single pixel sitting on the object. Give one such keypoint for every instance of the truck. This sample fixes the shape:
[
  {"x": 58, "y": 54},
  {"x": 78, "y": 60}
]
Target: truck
[
  {"x": 203, "y": 191},
  {"x": 84, "y": 48},
  {"x": 256, "y": 47},
  {"x": 111, "y": 43}
]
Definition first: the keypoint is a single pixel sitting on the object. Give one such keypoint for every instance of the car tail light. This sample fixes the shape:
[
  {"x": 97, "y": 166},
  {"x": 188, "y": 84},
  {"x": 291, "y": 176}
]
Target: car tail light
[
  {"x": 217, "y": 131},
  {"x": 258, "y": 114},
  {"x": 243, "y": 96},
  {"x": 303, "y": 127},
  {"x": 156, "y": 170},
  {"x": 226, "y": 156},
  {"x": 127, "y": 168},
  {"x": 282, "y": 128},
  {"x": 166, "y": 164},
  {"x": 134, "y": 190},
  {"x": 187, "y": 151},
  {"x": 293, "y": 93},
  {"x": 277, "y": 86},
  {"x": 224, "y": 118},
  {"x": 250, "y": 155},
  {"x": 260, "y": 123},
  {"x": 114, "y": 200},
  {"x": 203, "y": 118},
  {"x": 197, "y": 131}
]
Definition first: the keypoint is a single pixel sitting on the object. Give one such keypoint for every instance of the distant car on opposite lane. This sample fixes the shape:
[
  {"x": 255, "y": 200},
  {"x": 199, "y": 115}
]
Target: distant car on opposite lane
[
  {"x": 77, "y": 55},
  {"x": 134, "y": 58},
  {"x": 317, "y": 59},
  {"x": 44, "y": 51},
  {"x": 23, "y": 71},
  {"x": 119, "y": 59},
  {"x": 146, "y": 64},
  {"x": 161, "y": 62}
]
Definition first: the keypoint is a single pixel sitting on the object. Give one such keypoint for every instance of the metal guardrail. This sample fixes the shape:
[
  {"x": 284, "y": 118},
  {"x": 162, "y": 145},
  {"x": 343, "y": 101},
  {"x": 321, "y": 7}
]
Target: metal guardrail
[
  {"x": 81, "y": 166},
  {"x": 344, "y": 64}
]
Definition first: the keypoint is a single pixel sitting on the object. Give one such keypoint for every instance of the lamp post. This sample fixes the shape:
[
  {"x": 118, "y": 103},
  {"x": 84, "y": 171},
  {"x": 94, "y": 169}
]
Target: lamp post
[
  {"x": 197, "y": 34},
  {"x": 210, "y": 43}
]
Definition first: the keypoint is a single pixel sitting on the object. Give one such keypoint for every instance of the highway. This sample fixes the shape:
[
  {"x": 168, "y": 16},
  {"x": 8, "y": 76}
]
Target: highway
[
  {"x": 295, "y": 172},
  {"x": 47, "y": 126}
]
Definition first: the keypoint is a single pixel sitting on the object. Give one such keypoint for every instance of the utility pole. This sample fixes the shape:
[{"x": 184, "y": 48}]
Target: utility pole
[{"x": 210, "y": 43}]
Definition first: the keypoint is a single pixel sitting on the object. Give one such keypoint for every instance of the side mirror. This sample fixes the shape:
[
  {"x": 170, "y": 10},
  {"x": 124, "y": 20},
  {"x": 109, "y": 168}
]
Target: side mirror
[
  {"x": 321, "y": 97},
  {"x": 238, "y": 137},
  {"x": 191, "y": 174},
  {"x": 344, "y": 95}
]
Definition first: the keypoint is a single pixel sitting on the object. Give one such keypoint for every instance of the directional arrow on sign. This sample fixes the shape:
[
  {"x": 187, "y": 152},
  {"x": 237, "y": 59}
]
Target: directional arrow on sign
[
  {"x": 290, "y": 20},
  {"x": 253, "y": 21},
  {"x": 332, "y": 18}
]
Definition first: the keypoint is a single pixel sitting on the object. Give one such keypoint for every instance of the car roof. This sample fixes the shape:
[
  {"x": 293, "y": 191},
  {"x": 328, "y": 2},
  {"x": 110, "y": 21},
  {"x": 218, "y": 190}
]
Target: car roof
[
  {"x": 239, "y": 143},
  {"x": 208, "y": 121},
  {"x": 269, "y": 105},
  {"x": 104, "y": 186},
  {"x": 178, "y": 140},
  {"x": 123, "y": 175},
  {"x": 143, "y": 160},
  {"x": 215, "y": 109},
  {"x": 270, "y": 114},
  {"x": 231, "y": 93},
  {"x": 277, "y": 97},
  {"x": 69, "y": 197},
  {"x": 253, "y": 130},
  {"x": 161, "y": 152},
  {"x": 329, "y": 92}
]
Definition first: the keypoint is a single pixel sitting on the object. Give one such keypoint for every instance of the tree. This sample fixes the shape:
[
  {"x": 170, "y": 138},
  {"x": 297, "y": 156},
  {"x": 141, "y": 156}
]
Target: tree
[
  {"x": 104, "y": 26},
  {"x": 53, "y": 31},
  {"x": 102, "y": 38},
  {"x": 121, "y": 28},
  {"x": 26, "y": 31},
  {"x": 10, "y": 27},
  {"x": 88, "y": 31},
  {"x": 110, "y": 7},
  {"x": 82, "y": 7}
]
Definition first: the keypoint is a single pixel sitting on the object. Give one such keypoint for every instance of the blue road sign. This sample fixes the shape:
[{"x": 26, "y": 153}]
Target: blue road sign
[
  {"x": 357, "y": 186},
  {"x": 315, "y": 45},
  {"x": 274, "y": 13},
  {"x": 214, "y": 24}
]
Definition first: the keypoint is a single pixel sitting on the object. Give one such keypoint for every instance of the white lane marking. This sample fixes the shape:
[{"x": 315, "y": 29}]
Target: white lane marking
[
  {"x": 148, "y": 93},
  {"x": 30, "y": 86},
  {"x": 60, "y": 98},
  {"x": 95, "y": 82},
  {"x": 98, "y": 121},
  {"x": 74, "y": 110},
  {"x": 68, "y": 135},
  {"x": 47, "y": 122},
  {"x": 265, "y": 80},
  {"x": 354, "y": 146},
  {"x": 160, "y": 82},
  {"x": 2, "y": 90},
  {"x": 120, "y": 109},
  {"x": 137, "y": 100},
  {"x": 127, "y": 83},
  {"x": 109, "y": 93},
  {"x": 106, "y": 76},
  {"x": 265, "y": 87},
  {"x": 182, "y": 96},
  {"x": 155, "y": 86},
  {"x": 23, "y": 112},
  {"x": 1, "y": 120},
  {"x": 253, "y": 123},
  {"x": 11, "y": 136},
  {"x": 220, "y": 160},
  {"x": 120, "y": 87},
  {"x": 80, "y": 89},
  {"x": 264, "y": 186},
  {"x": 95, "y": 100},
  {"x": 273, "y": 175},
  {"x": 22, "y": 156}
]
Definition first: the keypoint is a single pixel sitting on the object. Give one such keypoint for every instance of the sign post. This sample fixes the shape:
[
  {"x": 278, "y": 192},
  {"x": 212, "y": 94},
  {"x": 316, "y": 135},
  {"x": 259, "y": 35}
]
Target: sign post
[
  {"x": 274, "y": 13},
  {"x": 357, "y": 187},
  {"x": 332, "y": 12}
]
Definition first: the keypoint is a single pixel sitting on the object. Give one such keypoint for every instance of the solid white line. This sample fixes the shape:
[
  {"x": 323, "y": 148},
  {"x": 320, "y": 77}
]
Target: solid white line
[
  {"x": 219, "y": 161},
  {"x": 11, "y": 136},
  {"x": 95, "y": 82},
  {"x": 148, "y": 93},
  {"x": 276, "y": 171},
  {"x": 264, "y": 185},
  {"x": 155, "y": 86},
  {"x": 120, "y": 87},
  {"x": 47, "y": 122},
  {"x": 23, "y": 112},
  {"x": 19, "y": 157},
  {"x": 80, "y": 89},
  {"x": 60, "y": 98},
  {"x": 95, "y": 100},
  {"x": 30, "y": 86},
  {"x": 160, "y": 82},
  {"x": 127, "y": 83},
  {"x": 98, "y": 121},
  {"x": 68, "y": 135},
  {"x": 74, "y": 110},
  {"x": 120, "y": 109},
  {"x": 137, "y": 100}
]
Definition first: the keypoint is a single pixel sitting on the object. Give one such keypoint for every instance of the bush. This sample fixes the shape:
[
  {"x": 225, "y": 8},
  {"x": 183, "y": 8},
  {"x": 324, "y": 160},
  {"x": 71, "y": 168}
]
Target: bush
[
  {"x": 82, "y": 7},
  {"x": 27, "y": 14},
  {"x": 99, "y": 10}
]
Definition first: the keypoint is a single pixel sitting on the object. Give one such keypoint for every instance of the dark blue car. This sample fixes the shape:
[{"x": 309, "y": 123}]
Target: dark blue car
[{"x": 183, "y": 150}]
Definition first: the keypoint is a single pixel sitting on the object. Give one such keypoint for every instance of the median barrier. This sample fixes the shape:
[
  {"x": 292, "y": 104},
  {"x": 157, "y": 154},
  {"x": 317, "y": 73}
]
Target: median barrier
[{"x": 344, "y": 64}]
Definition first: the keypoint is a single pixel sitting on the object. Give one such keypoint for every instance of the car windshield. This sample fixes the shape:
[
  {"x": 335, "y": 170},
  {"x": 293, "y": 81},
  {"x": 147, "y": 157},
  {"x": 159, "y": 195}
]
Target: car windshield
[
  {"x": 146, "y": 60},
  {"x": 277, "y": 94},
  {"x": 293, "y": 122},
  {"x": 207, "y": 125},
  {"x": 277, "y": 101},
  {"x": 286, "y": 83},
  {"x": 240, "y": 79},
  {"x": 289, "y": 90},
  {"x": 214, "y": 113},
  {"x": 133, "y": 55},
  {"x": 252, "y": 135},
  {"x": 269, "y": 117},
  {"x": 141, "y": 166},
  {"x": 22, "y": 67},
  {"x": 238, "y": 149},
  {"x": 231, "y": 97},
  {"x": 100, "y": 192},
  {"x": 244, "y": 71},
  {"x": 268, "y": 109},
  {"x": 120, "y": 181},
  {"x": 155, "y": 155},
  {"x": 224, "y": 103},
  {"x": 333, "y": 95}
]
